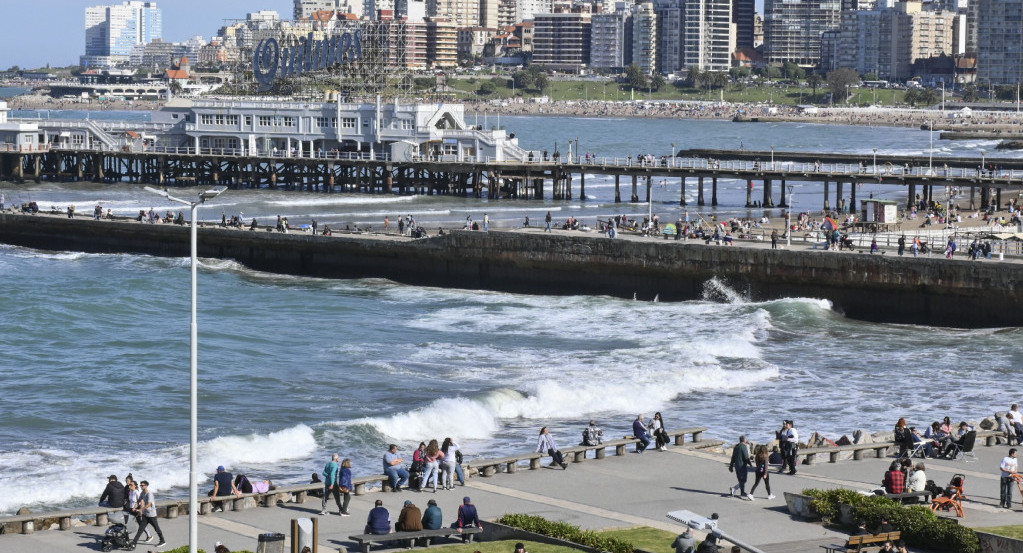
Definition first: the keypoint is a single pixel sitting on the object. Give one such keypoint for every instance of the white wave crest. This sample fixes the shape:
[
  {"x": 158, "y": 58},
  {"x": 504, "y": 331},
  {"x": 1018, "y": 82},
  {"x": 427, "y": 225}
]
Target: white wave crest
[{"x": 33, "y": 477}]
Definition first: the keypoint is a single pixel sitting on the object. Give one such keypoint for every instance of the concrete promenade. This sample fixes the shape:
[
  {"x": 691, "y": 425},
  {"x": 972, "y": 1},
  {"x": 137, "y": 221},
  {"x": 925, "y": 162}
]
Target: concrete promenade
[{"x": 616, "y": 492}]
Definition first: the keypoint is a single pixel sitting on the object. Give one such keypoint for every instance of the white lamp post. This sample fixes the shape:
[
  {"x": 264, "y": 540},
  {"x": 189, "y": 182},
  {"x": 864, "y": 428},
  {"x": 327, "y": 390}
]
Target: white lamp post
[
  {"x": 983, "y": 159},
  {"x": 875, "y": 161},
  {"x": 788, "y": 219},
  {"x": 193, "y": 465},
  {"x": 772, "y": 158}
]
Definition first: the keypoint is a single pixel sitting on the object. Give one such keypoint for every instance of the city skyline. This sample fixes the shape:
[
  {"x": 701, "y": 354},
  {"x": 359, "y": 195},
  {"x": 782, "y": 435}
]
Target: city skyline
[{"x": 28, "y": 37}]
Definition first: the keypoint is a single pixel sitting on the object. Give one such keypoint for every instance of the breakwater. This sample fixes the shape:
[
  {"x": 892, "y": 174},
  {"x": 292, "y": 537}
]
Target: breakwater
[{"x": 933, "y": 291}]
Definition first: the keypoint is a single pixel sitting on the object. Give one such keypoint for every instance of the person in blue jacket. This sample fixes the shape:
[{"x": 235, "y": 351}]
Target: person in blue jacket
[{"x": 379, "y": 520}]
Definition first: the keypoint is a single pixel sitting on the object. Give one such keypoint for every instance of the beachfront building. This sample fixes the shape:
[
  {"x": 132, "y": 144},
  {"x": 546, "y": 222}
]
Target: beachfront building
[
  {"x": 669, "y": 35},
  {"x": 644, "y": 37},
  {"x": 708, "y": 35},
  {"x": 744, "y": 17},
  {"x": 19, "y": 136},
  {"x": 561, "y": 41},
  {"x": 308, "y": 129},
  {"x": 999, "y": 41},
  {"x": 441, "y": 42},
  {"x": 793, "y": 28},
  {"x": 111, "y": 32},
  {"x": 889, "y": 42},
  {"x": 609, "y": 40}
]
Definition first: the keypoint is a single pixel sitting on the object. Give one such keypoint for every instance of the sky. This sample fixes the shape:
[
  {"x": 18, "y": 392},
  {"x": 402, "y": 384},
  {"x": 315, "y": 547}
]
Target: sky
[{"x": 37, "y": 32}]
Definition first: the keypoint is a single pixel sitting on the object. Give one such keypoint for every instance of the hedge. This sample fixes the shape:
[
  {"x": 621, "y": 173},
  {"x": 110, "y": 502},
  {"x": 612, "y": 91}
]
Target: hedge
[
  {"x": 920, "y": 526},
  {"x": 567, "y": 532}
]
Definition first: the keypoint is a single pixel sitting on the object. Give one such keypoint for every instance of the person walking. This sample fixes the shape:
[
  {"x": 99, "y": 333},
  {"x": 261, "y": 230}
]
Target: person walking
[
  {"x": 1008, "y": 467},
  {"x": 548, "y": 220},
  {"x": 345, "y": 485},
  {"x": 774, "y": 239},
  {"x": 789, "y": 438},
  {"x": 760, "y": 465},
  {"x": 545, "y": 444},
  {"x": 740, "y": 460},
  {"x": 147, "y": 510},
  {"x": 331, "y": 485},
  {"x": 131, "y": 505}
]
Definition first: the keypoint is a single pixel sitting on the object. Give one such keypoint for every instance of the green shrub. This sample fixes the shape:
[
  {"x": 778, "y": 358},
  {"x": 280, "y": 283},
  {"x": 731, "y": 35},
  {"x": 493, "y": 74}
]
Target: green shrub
[
  {"x": 567, "y": 532},
  {"x": 920, "y": 526}
]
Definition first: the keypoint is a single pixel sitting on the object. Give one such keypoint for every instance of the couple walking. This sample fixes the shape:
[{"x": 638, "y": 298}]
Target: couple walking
[{"x": 740, "y": 464}]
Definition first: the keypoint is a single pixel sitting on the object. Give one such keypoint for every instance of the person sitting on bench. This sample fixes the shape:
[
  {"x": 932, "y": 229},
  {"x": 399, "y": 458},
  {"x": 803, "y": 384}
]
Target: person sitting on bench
[
  {"x": 379, "y": 520},
  {"x": 467, "y": 518}
]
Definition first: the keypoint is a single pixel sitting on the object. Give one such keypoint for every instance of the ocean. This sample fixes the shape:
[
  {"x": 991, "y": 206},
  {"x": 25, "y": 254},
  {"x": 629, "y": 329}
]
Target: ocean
[{"x": 95, "y": 347}]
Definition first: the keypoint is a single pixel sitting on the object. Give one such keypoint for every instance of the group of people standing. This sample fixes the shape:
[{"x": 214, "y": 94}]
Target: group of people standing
[
  {"x": 742, "y": 461},
  {"x": 432, "y": 463},
  {"x": 137, "y": 501}
]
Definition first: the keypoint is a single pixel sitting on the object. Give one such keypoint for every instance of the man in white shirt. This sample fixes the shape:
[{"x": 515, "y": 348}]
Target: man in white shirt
[
  {"x": 1008, "y": 467},
  {"x": 1016, "y": 420}
]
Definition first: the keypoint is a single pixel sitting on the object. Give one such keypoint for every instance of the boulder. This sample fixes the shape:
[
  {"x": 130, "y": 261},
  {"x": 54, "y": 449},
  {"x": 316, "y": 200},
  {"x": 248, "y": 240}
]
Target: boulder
[
  {"x": 988, "y": 424},
  {"x": 862, "y": 437},
  {"x": 24, "y": 511},
  {"x": 75, "y": 523},
  {"x": 883, "y": 436}
]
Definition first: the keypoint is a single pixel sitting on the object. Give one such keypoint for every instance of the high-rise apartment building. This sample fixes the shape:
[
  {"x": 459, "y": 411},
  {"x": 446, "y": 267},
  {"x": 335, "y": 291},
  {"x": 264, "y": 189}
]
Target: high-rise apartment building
[
  {"x": 999, "y": 31},
  {"x": 608, "y": 46},
  {"x": 644, "y": 37},
  {"x": 111, "y": 32},
  {"x": 708, "y": 35},
  {"x": 561, "y": 41},
  {"x": 888, "y": 42},
  {"x": 460, "y": 13},
  {"x": 669, "y": 35},
  {"x": 744, "y": 18},
  {"x": 793, "y": 28},
  {"x": 304, "y": 9}
]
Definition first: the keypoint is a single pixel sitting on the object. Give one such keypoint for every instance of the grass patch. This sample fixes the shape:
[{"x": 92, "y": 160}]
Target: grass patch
[
  {"x": 644, "y": 537},
  {"x": 507, "y": 546},
  {"x": 1007, "y": 531}
]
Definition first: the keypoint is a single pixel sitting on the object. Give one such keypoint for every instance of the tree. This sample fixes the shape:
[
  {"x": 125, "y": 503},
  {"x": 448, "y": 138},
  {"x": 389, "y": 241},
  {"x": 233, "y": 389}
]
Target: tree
[
  {"x": 635, "y": 78},
  {"x": 840, "y": 80},
  {"x": 718, "y": 79},
  {"x": 523, "y": 79},
  {"x": 1005, "y": 92},
  {"x": 657, "y": 82},
  {"x": 814, "y": 80},
  {"x": 738, "y": 73},
  {"x": 486, "y": 88},
  {"x": 540, "y": 82},
  {"x": 970, "y": 93},
  {"x": 792, "y": 71}
]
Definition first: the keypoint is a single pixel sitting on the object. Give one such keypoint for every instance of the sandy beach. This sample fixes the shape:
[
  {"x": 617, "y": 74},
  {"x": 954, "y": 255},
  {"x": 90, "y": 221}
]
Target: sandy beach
[{"x": 953, "y": 118}]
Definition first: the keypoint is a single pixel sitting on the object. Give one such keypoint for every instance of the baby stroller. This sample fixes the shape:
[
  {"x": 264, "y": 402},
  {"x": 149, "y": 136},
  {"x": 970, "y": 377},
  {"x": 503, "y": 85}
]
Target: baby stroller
[
  {"x": 953, "y": 496},
  {"x": 116, "y": 537}
]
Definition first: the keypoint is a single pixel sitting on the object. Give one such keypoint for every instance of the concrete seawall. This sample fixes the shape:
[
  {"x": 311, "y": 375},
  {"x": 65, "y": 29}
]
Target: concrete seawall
[{"x": 888, "y": 288}]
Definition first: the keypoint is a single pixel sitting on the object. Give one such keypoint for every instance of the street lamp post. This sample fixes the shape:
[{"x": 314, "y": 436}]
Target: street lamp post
[
  {"x": 875, "y": 161},
  {"x": 193, "y": 465},
  {"x": 930, "y": 155},
  {"x": 983, "y": 155},
  {"x": 772, "y": 158},
  {"x": 788, "y": 219}
]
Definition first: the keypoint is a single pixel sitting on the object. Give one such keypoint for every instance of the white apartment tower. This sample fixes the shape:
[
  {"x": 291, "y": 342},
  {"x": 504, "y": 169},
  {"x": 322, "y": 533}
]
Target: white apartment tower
[
  {"x": 708, "y": 35},
  {"x": 111, "y": 32},
  {"x": 644, "y": 37},
  {"x": 999, "y": 41}
]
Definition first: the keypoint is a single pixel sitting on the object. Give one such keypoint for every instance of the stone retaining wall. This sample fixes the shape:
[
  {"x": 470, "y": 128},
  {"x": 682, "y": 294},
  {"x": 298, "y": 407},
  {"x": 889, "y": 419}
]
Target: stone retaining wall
[{"x": 887, "y": 288}]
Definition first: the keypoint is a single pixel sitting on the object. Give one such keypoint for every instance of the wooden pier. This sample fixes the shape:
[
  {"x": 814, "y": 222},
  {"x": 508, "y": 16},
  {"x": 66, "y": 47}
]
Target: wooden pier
[{"x": 449, "y": 175}]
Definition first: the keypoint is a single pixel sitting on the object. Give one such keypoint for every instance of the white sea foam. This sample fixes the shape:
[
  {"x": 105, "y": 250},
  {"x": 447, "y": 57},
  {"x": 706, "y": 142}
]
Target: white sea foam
[{"x": 53, "y": 476}]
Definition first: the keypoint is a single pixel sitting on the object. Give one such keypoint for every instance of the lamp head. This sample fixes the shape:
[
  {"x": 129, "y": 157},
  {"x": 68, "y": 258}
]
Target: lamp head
[{"x": 211, "y": 193}]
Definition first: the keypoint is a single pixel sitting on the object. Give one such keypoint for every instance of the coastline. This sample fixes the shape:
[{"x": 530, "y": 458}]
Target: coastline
[{"x": 950, "y": 119}]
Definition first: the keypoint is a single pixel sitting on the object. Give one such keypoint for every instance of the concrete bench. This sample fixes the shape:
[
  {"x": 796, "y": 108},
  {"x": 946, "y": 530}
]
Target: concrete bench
[
  {"x": 911, "y": 497},
  {"x": 63, "y": 518},
  {"x": 368, "y": 541},
  {"x": 880, "y": 450},
  {"x": 992, "y": 437},
  {"x": 490, "y": 467},
  {"x": 857, "y": 543}
]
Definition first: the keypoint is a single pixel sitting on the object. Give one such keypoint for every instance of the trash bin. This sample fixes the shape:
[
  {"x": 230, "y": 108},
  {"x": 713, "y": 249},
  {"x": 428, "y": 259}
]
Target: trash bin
[{"x": 270, "y": 542}]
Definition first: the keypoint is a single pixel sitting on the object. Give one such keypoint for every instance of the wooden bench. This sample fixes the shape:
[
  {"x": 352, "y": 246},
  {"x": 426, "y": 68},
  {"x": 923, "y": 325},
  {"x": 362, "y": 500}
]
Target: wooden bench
[
  {"x": 880, "y": 450},
  {"x": 368, "y": 541},
  {"x": 857, "y": 543}
]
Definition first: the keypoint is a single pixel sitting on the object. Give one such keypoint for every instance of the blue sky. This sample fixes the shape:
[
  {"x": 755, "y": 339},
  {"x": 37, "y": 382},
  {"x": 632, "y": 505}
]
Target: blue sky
[{"x": 37, "y": 32}]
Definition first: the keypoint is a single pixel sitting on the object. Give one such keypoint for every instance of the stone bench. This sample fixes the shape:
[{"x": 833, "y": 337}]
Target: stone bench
[
  {"x": 368, "y": 541},
  {"x": 490, "y": 467},
  {"x": 911, "y": 497},
  {"x": 880, "y": 450}
]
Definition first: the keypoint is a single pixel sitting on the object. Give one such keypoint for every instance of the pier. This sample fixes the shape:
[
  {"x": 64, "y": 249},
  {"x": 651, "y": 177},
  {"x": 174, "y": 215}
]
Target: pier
[{"x": 767, "y": 174}]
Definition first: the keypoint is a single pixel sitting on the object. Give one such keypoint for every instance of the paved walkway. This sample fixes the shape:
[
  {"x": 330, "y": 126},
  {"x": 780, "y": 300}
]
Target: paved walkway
[{"x": 615, "y": 492}]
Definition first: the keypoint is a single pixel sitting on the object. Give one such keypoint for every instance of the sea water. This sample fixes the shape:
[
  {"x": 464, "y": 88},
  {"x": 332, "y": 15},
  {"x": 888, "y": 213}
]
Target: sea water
[{"x": 95, "y": 348}]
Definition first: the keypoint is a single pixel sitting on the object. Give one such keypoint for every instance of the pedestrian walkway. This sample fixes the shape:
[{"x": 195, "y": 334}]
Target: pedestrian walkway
[{"x": 614, "y": 492}]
